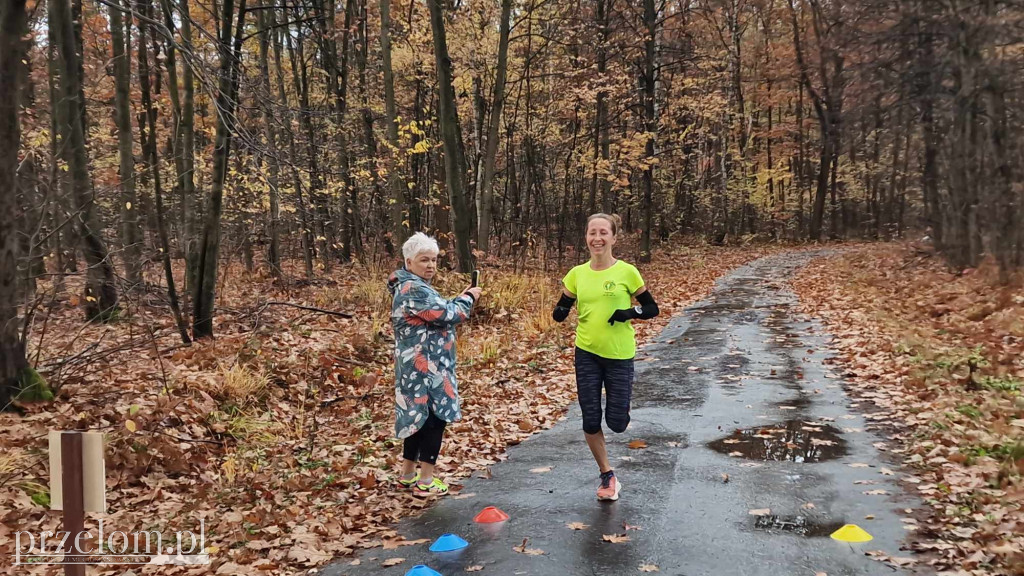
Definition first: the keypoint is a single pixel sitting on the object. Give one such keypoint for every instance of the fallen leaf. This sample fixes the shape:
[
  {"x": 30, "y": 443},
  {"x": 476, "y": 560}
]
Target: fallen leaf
[
  {"x": 577, "y": 526},
  {"x": 808, "y": 506},
  {"x": 760, "y": 512},
  {"x": 869, "y": 517},
  {"x": 528, "y": 551},
  {"x": 541, "y": 470},
  {"x": 230, "y": 568},
  {"x": 474, "y": 568},
  {"x": 875, "y": 492},
  {"x": 628, "y": 527},
  {"x": 395, "y": 543},
  {"x": 615, "y": 538},
  {"x": 367, "y": 482},
  {"x": 648, "y": 568},
  {"x": 858, "y": 465},
  {"x": 257, "y": 545},
  {"x": 392, "y": 562},
  {"x": 885, "y": 471},
  {"x": 725, "y": 478},
  {"x": 637, "y": 444},
  {"x": 736, "y": 454},
  {"x": 1004, "y": 549}
]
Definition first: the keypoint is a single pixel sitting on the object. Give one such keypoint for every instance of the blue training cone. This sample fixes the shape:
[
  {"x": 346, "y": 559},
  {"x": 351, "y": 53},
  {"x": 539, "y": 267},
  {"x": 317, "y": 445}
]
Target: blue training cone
[
  {"x": 448, "y": 543},
  {"x": 421, "y": 570}
]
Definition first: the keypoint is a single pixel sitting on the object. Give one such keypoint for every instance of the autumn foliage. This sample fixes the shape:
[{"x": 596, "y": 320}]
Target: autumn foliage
[{"x": 937, "y": 355}]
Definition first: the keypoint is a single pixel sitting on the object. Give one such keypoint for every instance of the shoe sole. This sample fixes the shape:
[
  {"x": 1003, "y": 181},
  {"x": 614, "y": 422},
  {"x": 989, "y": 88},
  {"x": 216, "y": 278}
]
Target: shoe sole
[
  {"x": 613, "y": 497},
  {"x": 428, "y": 494}
]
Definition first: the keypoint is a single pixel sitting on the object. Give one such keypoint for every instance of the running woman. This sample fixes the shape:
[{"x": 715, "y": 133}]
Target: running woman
[{"x": 603, "y": 289}]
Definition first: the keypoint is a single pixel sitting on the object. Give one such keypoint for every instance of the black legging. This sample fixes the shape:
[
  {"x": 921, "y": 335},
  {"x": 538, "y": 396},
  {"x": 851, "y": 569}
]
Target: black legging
[{"x": 425, "y": 445}]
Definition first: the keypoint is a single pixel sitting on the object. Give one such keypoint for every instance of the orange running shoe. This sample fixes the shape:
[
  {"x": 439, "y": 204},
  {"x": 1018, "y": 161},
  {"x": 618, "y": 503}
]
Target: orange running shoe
[{"x": 610, "y": 487}]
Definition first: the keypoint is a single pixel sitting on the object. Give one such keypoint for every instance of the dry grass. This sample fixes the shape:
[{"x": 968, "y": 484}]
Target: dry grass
[
  {"x": 243, "y": 386},
  {"x": 11, "y": 461}
]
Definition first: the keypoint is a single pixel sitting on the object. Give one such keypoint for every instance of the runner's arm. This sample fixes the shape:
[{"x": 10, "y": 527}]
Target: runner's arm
[
  {"x": 648, "y": 309},
  {"x": 561, "y": 311}
]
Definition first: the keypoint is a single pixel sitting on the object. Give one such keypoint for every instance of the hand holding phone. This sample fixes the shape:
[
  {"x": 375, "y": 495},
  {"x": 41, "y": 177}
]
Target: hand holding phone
[{"x": 476, "y": 279}]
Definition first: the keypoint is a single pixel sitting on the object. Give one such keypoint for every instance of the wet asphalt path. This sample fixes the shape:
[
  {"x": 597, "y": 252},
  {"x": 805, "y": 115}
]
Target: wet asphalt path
[{"x": 734, "y": 386}]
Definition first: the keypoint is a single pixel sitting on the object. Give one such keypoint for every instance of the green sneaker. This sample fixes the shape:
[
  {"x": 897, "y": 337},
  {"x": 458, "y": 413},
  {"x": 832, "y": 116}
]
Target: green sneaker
[
  {"x": 434, "y": 488},
  {"x": 410, "y": 482}
]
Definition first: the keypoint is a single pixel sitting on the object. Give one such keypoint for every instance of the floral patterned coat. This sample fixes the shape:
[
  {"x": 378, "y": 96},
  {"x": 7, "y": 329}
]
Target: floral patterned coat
[{"x": 424, "y": 324}]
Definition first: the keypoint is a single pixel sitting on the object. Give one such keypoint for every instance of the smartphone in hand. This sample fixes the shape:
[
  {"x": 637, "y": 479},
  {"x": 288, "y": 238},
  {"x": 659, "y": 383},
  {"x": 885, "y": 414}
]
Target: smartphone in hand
[{"x": 476, "y": 279}]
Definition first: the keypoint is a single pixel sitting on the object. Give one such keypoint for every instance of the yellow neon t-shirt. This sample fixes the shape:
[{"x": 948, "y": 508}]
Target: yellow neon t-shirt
[{"x": 598, "y": 295}]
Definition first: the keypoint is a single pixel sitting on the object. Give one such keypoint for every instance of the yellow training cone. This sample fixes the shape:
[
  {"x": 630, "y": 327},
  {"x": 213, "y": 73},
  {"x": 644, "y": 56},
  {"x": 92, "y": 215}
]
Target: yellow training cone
[{"x": 851, "y": 533}]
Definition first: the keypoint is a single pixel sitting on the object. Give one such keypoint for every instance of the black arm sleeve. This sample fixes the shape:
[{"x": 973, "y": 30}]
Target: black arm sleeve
[
  {"x": 648, "y": 307},
  {"x": 561, "y": 311}
]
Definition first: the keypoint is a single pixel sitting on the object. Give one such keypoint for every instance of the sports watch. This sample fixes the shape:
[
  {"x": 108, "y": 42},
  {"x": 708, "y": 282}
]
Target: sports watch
[{"x": 638, "y": 309}]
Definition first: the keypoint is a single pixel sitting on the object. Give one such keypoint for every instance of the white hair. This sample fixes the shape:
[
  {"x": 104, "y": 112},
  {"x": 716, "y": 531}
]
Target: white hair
[{"x": 419, "y": 242}]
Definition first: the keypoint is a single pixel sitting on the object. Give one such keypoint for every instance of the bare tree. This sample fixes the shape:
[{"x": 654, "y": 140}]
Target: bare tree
[
  {"x": 12, "y": 51},
  {"x": 100, "y": 291},
  {"x": 227, "y": 97},
  {"x": 485, "y": 194},
  {"x": 131, "y": 240},
  {"x": 451, "y": 136}
]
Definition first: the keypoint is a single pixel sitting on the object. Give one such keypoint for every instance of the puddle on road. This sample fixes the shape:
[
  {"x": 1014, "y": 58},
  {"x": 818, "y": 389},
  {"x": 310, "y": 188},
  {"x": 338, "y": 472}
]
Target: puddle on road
[
  {"x": 789, "y": 441},
  {"x": 796, "y": 525}
]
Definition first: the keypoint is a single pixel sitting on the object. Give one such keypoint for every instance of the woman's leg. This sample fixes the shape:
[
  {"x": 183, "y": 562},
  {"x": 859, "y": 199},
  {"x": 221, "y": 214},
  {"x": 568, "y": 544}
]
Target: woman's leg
[
  {"x": 410, "y": 454},
  {"x": 430, "y": 446},
  {"x": 589, "y": 376},
  {"x": 599, "y": 450},
  {"x": 618, "y": 386}
]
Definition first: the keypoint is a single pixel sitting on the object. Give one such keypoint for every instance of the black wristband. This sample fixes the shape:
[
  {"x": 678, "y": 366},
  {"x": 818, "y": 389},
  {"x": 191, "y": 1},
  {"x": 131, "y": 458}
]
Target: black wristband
[
  {"x": 561, "y": 311},
  {"x": 648, "y": 307}
]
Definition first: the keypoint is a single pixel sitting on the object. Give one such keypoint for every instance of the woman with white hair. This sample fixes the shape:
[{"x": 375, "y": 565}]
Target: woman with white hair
[{"x": 426, "y": 391}]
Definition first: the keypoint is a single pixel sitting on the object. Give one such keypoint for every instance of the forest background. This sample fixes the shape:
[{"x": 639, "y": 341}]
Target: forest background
[{"x": 172, "y": 169}]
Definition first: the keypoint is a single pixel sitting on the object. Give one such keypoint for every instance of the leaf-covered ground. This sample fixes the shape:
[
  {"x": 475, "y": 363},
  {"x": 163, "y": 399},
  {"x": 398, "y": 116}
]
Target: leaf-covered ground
[
  {"x": 278, "y": 433},
  {"x": 940, "y": 358}
]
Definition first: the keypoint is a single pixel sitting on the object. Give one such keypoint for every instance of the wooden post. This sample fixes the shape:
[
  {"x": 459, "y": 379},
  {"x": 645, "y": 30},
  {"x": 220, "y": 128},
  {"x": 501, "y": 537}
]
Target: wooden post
[{"x": 74, "y": 500}]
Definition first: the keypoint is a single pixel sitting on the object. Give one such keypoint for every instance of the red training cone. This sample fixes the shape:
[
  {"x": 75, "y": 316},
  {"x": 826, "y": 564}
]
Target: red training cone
[{"x": 490, "y": 515}]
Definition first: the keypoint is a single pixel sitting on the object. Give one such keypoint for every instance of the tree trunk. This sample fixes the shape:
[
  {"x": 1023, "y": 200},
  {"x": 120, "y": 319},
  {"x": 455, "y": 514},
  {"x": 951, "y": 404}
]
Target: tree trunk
[
  {"x": 227, "y": 96},
  {"x": 650, "y": 125},
  {"x": 821, "y": 190},
  {"x": 176, "y": 140},
  {"x": 602, "y": 136},
  {"x": 338, "y": 84},
  {"x": 149, "y": 151},
  {"x": 130, "y": 233},
  {"x": 399, "y": 224},
  {"x": 485, "y": 196},
  {"x": 300, "y": 80},
  {"x": 267, "y": 19},
  {"x": 100, "y": 291},
  {"x": 13, "y": 27},
  {"x": 451, "y": 136},
  {"x": 307, "y": 230},
  {"x": 190, "y": 204}
]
